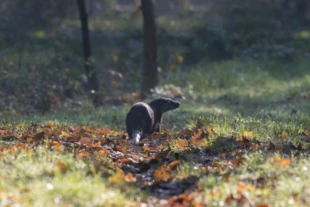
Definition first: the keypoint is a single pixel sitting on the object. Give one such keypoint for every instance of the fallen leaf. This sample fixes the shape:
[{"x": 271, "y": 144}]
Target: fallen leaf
[
  {"x": 57, "y": 146},
  {"x": 242, "y": 186},
  {"x": 247, "y": 134},
  {"x": 2, "y": 131},
  {"x": 77, "y": 132},
  {"x": 185, "y": 133},
  {"x": 223, "y": 155},
  {"x": 113, "y": 133},
  {"x": 130, "y": 178},
  {"x": 96, "y": 143},
  {"x": 64, "y": 134},
  {"x": 39, "y": 135},
  {"x": 87, "y": 128},
  {"x": 284, "y": 135},
  {"x": 161, "y": 173},
  {"x": 82, "y": 154},
  {"x": 282, "y": 162},
  {"x": 86, "y": 141},
  {"x": 103, "y": 130},
  {"x": 145, "y": 148},
  {"x": 61, "y": 166},
  {"x": 117, "y": 178},
  {"x": 200, "y": 134},
  {"x": 236, "y": 162},
  {"x": 173, "y": 165},
  {"x": 262, "y": 205},
  {"x": 181, "y": 143},
  {"x": 210, "y": 129},
  {"x": 21, "y": 145}
]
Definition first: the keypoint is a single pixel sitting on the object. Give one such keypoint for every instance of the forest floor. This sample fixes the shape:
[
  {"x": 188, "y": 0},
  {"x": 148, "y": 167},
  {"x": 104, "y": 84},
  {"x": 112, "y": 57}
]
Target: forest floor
[{"x": 241, "y": 137}]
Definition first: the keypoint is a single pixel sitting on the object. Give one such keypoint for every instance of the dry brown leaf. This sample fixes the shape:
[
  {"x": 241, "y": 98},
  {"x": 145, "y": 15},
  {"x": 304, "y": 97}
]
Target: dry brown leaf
[
  {"x": 64, "y": 134},
  {"x": 145, "y": 148},
  {"x": 3, "y": 132},
  {"x": 103, "y": 130},
  {"x": 102, "y": 152},
  {"x": 185, "y": 133},
  {"x": 57, "y": 146},
  {"x": 173, "y": 165},
  {"x": 236, "y": 162},
  {"x": 200, "y": 134},
  {"x": 39, "y": 135},
  {"x": 222, "y": 155},
  {"x": 96, "y": 143},
  {"x": 86, "y": 141},
  {"x": 282, "y": 162},
  {"x": 195, "y": 141},
  {"x": 262, "y": 205},
  {"x": 307, "y": 132},
  {"x": 61, "y": 166},
  {"x": 117, "y": 178},
  {"x": 77, "y": 132},
  {"x": 21, "y": 145},
  {"x": 82, "y": 154},
  {"x": 130, "y": 178},
  {"x": 242, "y": 186},
  {"x": 181, "y": 143},
  {"x": 87, "y": 128},
  {"x": 113, "y": 133},
  {"x": 284, "y": 135},
  {"x": 211, "y": 129},
  {"x": 247, "y": 134},
  {"x": 161, "y": 173}
]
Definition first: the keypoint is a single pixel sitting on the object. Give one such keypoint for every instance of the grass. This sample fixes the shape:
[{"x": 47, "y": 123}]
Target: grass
[
  {"x": 269, "y": 100},
  {"x": 48, "y": 178},
  {"x": 247, "y": 183},
  {"x": 111, "y": 117},
  {"x": 243, "y": 101}
]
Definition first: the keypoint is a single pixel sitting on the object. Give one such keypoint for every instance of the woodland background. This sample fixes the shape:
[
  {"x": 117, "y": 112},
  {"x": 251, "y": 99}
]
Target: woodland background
[
  {"x": 42, "y": 65},
  {"x": 239, "y": 68}
]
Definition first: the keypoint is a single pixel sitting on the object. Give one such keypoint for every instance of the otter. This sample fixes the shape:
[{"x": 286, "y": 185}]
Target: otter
[{"x": 145, "y": 118}]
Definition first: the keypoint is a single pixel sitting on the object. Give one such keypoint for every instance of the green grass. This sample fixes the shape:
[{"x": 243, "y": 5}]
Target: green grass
[
  {"x": 111, "y": 117},
  {"x": 291, "y": 183},
  {"x": 33, "y": 178},
  {"x": 268, "y": 98}
]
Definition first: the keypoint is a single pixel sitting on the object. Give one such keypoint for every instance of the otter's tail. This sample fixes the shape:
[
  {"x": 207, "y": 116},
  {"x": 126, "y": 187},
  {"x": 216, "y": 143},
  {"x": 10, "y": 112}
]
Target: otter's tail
[{"x": 136, "y": 135}]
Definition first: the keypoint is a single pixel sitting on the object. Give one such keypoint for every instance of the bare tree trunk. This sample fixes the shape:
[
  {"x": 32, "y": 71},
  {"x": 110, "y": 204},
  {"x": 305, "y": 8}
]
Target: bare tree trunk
[
  {"x": 302, "y": 8},
  {"x": 149, "y": 74},
  {"x": 89, "y": 66}
]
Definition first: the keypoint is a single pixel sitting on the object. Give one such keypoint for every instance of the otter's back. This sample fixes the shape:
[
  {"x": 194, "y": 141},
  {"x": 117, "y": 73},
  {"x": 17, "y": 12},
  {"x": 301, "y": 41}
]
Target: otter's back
[{"x": 140, "y": 117}]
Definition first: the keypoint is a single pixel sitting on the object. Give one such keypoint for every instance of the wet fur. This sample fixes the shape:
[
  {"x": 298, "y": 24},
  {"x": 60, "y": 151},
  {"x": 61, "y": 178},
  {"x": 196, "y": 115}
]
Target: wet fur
[{"x": 147, "y": 118}]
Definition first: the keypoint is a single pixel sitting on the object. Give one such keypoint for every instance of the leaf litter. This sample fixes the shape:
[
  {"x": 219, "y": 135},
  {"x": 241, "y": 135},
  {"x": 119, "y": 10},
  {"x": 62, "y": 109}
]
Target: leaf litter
[{"x": 156, "y": 163}]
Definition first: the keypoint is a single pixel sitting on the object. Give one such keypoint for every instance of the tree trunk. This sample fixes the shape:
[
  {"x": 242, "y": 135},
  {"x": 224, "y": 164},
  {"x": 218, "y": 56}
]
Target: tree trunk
[
  {"x": 149, "y": 74},
  {"x": 302, "y": 8},
  {"x": 93, "y": 85}
]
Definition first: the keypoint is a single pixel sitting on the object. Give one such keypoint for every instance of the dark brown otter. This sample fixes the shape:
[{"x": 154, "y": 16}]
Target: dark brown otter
[{"x": 146, "y": 118}]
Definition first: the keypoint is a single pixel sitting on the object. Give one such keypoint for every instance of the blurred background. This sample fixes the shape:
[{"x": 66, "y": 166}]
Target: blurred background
[{"x": 207, "y": 50}]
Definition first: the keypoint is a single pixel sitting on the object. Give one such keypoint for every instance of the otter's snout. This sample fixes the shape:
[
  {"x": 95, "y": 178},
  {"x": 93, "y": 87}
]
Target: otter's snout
[{"x": 176, "y": 105}]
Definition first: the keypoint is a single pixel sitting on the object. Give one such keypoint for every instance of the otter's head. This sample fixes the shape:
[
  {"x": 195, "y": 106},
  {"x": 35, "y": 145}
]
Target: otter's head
[{"x": 164, "y": 104}]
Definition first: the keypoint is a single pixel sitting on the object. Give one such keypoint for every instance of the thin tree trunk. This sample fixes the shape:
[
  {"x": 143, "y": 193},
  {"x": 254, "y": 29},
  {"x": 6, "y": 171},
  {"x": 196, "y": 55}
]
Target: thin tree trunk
[
  {"x": 302, "y": 7},
  {"x": 89, "y": 66},
  {"x": 149, "y": 74}
]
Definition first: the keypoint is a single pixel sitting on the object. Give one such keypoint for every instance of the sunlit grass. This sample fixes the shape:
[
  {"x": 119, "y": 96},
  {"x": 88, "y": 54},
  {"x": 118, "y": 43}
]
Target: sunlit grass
[
  {"x": 263, "y": 101},
  {"x": 48, "y": 178},
  {"x": 254, "y": 178},
  {"x": 111, "y": 117}
]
